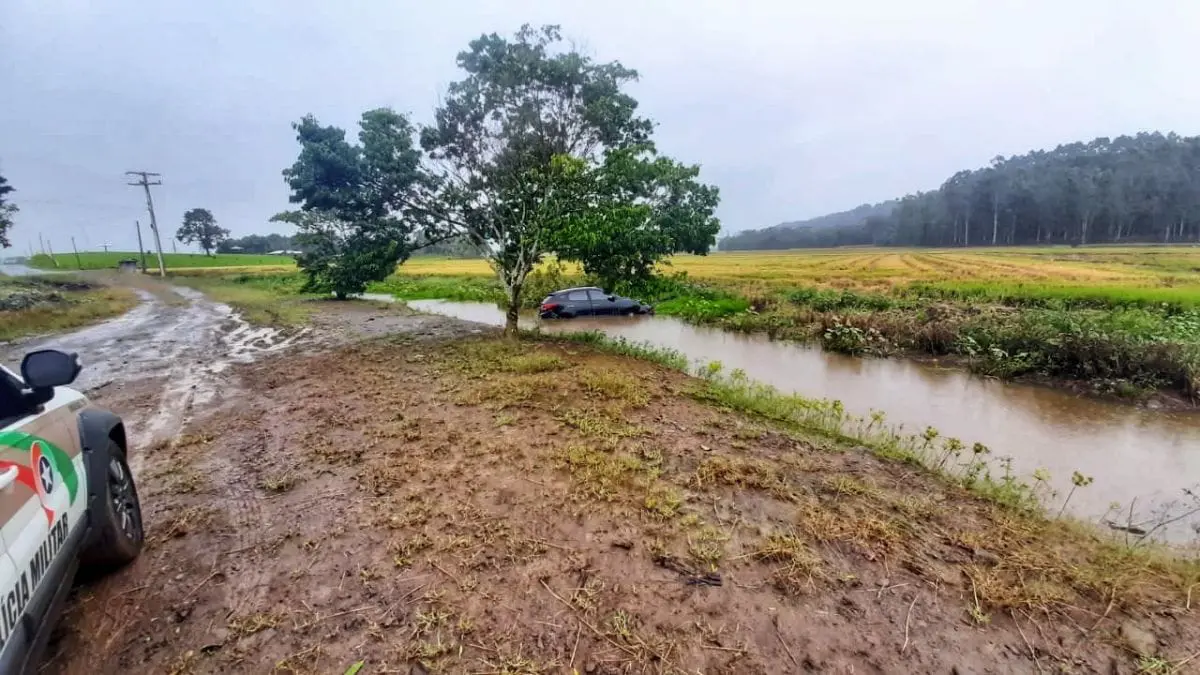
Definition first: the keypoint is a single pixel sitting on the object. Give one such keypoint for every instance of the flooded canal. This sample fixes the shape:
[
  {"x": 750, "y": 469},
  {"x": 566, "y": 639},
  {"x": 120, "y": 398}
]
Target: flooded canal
[{"x": 1133, "y": 453}]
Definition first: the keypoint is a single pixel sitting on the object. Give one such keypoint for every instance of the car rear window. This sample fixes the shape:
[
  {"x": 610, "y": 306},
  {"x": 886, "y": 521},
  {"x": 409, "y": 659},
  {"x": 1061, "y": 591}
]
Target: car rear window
[{"x": 577, "y": 296}]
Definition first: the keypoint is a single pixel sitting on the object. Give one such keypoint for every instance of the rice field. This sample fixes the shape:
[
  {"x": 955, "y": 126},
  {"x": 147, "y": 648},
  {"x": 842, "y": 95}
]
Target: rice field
[{"x": 1154, "y": 273}]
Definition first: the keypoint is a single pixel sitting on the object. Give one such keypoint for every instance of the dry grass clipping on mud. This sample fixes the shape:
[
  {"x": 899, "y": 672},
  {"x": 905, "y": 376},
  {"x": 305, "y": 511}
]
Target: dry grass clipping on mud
[{"x": 485, "y": 506}]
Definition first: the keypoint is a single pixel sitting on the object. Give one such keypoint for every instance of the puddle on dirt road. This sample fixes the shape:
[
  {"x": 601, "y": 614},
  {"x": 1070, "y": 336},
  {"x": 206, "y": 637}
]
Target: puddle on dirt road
[{"x": 1133, "y": 453}]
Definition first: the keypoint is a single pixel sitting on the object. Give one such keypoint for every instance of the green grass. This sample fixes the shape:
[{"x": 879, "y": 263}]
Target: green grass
[
  {"x": 458, "y": 288},
  {"x": 647, "y": 352},
  {"x": 59, "y": 308},
  {"x": 263, "y": 299},
  {"x": 1019, "y": 294},
  {"x": 98, "y": 260}
]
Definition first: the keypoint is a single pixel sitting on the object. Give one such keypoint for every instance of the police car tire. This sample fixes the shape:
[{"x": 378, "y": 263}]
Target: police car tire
[{"x": 113, "y": 547}]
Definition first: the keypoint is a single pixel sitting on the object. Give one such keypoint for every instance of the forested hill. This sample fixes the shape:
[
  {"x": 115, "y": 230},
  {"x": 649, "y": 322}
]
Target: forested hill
[
  {"x": 1143, "y": 188},
  {"x": 834, "y": 229}
]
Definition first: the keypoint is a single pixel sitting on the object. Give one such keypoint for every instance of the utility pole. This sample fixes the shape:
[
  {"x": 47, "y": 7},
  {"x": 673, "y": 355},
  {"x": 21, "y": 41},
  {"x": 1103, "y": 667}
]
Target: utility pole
[
  {"x": 145, "y": 182},
  {"x": 52, "y": 258},
  {"x": 76, "y": 249},
  {"x": 41, "y": 243},
  {"x": 141, "y": 249}
]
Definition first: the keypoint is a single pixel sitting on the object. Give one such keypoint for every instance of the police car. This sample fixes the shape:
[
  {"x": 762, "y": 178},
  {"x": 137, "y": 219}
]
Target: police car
[{"x": 67, "y": 499}]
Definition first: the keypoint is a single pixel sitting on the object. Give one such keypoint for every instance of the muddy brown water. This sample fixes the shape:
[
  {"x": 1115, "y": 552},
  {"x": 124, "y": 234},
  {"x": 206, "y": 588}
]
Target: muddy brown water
[{"x": 1136, "y": 455}]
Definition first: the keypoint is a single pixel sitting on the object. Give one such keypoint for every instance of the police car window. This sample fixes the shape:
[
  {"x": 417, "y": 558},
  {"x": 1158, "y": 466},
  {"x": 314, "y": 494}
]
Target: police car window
[
  {"x": 577, "y": 296},
  {"x": 11, "y": 404}
]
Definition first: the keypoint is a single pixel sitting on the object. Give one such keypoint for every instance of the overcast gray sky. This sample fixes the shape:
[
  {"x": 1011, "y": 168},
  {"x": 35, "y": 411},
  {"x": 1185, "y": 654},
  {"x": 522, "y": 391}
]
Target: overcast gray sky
[{"x": 794, "y": 108}]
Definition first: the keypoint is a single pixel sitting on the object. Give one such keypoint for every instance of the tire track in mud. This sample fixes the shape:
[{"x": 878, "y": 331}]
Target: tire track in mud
[{"x": 178, "y": 344}]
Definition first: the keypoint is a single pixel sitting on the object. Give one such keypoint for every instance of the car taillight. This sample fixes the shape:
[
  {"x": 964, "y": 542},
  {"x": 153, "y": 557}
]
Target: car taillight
[{"x": 549, "y": 306}]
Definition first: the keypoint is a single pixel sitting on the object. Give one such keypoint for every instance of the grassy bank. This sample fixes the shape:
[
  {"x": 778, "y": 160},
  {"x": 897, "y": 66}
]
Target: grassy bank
[
  {"x": 97, "y": 260},
  {"x": 34, "y": 306},
  {"x": 263, "y": 299}
]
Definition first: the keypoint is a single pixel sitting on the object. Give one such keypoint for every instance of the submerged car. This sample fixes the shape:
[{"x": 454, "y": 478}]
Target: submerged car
[
  {"x": 67, "y": 499},
  {"x": 589, "y": 301}
]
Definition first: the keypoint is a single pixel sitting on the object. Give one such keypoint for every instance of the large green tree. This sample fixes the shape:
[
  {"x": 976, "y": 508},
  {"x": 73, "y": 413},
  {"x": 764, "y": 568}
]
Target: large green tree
[
  {"x": 537, "y": 147},
  {"x": 200, "y": 227},
  {"x": 7, "y": 210},
  {"x": 357, "y": 219}
]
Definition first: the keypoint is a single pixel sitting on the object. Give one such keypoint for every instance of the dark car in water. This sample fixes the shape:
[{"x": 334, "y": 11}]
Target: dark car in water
[{"x": 589, "y": 301}]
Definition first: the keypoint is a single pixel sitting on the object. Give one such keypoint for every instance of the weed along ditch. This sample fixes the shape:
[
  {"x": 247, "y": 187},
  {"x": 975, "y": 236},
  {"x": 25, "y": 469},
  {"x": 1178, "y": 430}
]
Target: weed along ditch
[{"x": 1138, "y": 458}]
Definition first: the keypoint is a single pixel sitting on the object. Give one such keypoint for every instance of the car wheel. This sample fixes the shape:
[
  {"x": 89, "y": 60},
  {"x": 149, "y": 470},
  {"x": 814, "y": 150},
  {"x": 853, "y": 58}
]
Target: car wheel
[{"x": 118, "y": 516}]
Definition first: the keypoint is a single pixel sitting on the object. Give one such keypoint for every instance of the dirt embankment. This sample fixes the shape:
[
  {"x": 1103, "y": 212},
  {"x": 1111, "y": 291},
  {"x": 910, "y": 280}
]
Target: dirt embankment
[{"x": 427, "y": 503}]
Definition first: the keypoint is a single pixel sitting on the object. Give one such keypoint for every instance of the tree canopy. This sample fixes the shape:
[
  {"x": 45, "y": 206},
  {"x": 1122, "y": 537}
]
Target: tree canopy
[
  {"x": 200, "y": 227},
  {"x": 539, "y": 150},
  {"x": 356, "y": 221},
  {"x": 7, "y": 210},
  {"x": 1143, "y": 188}
]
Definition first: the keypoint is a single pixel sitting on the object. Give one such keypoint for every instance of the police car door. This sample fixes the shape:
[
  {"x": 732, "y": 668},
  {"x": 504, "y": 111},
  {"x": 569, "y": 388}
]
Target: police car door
[{"x": 42, "y": 501}]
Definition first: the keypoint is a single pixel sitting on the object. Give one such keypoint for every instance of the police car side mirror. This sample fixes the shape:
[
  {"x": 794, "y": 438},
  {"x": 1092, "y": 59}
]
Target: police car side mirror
[{"x": 46, "y": 369}]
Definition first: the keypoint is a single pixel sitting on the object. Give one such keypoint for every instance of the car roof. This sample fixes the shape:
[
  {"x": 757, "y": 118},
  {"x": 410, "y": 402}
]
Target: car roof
[{"x": 578, "y": 288}]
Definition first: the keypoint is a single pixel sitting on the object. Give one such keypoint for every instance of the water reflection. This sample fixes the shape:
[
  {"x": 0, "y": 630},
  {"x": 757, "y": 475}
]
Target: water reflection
[{"x": 1133, "y": 453}]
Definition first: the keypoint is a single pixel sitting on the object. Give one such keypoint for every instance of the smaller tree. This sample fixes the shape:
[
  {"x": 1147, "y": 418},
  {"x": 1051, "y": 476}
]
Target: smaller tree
[
  {"x": 341, "y": 257},
  {"x": 356, "y": 222},
  {"x": 200, "y": 227},
  {"x": 7, "y": 211}
]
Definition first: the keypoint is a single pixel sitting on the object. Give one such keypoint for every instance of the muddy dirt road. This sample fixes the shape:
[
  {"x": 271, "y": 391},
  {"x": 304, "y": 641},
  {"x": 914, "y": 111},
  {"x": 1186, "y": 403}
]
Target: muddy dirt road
[
  {"x": 162, "y": 359},
  {"x": 169, "y": 357}
]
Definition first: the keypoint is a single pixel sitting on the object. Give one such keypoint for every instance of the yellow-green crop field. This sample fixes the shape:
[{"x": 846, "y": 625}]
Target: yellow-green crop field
[
  {"x": 881, "y": 269},
  {"x": 1144, "y": 273}
]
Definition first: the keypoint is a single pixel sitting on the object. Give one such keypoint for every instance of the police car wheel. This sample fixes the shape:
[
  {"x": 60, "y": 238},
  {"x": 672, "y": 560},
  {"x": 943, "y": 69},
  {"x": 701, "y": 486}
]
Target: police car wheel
[{"x": 118, "y": 516}]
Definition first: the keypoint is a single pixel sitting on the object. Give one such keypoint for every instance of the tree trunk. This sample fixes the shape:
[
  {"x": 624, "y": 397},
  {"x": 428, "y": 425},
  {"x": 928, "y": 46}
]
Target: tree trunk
[
  {"x": 995, "y": 219},
  {"x": 967, "y": 230},
  {"x": 1083, "y": 227},
  {"x": 513, "y": 313}
]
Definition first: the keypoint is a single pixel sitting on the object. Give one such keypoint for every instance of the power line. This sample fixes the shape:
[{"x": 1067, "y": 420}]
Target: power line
[{"x": 145, "y": 182}]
